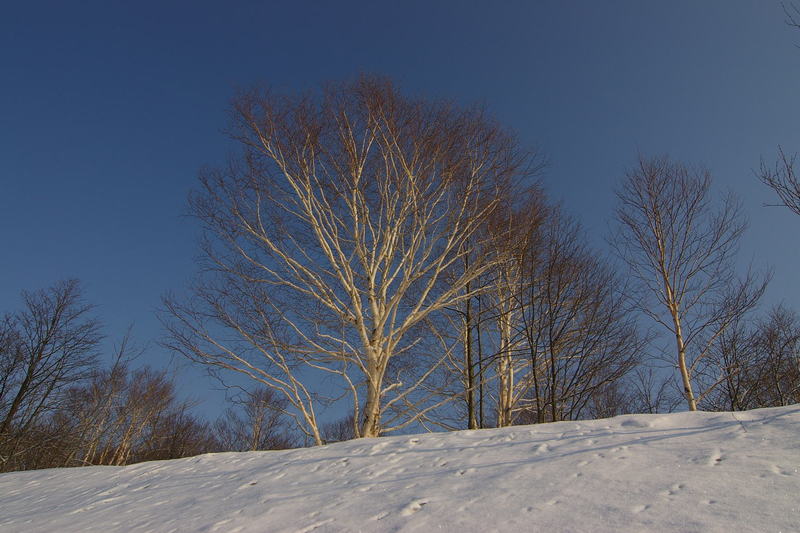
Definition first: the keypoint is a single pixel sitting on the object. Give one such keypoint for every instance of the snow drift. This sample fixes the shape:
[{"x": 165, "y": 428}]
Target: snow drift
[{"x": 679, "y": 472}]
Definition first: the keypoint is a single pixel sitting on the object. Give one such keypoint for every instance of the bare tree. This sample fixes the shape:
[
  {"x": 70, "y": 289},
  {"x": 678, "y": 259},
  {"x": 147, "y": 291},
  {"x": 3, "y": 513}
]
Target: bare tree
[
  {"x": 88, "y": 410},
  {"x": 648, "y": 392},
  {"x": 578, "y": 335},
  {"x": 783, "y": 179},
  {"x": 682, "y": 251},
  {"x": 792, "y": 12},
  {"x": 338, "y": 430},
  {"x": 330, "y": 239},
  {"x": 121, "y": 416},
  {"x": 48, "y": 346},
  {"x": 176, "y": 433},
  {"x": 736, "y": 356},
  {"x": 778, "y": 342},
  {"x": 465, "y": 324},
  {"x": 507, "y": 280},
  {"x": 554, "y": 334},
  {"x": 463, "y": 375},
  {"x": 491, "y": 310},
  {"x": 516, "y": 229},
  {"x": 762, "y": 362},
  {"x": 257, "y": 423},
  {"x": 116, "y": 412}
]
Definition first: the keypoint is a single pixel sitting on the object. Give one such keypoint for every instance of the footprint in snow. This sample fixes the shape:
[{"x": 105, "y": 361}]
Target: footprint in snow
[
  {"x": 378, "y": 448},
  {"x": 413, "y": 507},
  {"x": 394, "y": 457},
  {"x": 715, "y": 458},
  {"x": 217, "y": 526},
  {"x": 674, "y": 489},
  {"x": 312, "y": 527},
  {"x": 776, "y": 469}
]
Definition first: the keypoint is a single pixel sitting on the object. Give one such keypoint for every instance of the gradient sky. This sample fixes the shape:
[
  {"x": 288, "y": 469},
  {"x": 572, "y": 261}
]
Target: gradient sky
[{"x": 108, "y": 109}]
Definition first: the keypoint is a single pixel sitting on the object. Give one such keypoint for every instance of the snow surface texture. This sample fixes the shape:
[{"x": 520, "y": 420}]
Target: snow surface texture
[{"x": 680, "y": 472}]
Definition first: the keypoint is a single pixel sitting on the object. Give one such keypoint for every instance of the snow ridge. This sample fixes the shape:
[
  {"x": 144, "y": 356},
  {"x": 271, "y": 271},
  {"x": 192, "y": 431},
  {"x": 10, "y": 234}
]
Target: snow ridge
[{"x": 679, "y": 472}]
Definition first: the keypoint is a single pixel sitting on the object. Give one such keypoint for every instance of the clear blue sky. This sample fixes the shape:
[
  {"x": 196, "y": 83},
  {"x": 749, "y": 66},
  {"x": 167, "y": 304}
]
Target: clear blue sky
[{"x": 108, "y": 109}]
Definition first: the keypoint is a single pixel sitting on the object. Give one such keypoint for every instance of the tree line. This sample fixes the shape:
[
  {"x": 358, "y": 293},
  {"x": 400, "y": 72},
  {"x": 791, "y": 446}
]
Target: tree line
[
  {"x": 60, "y": 407},
  {"x": 396, "y": 259},
  {"x": 398, "y": 254}
]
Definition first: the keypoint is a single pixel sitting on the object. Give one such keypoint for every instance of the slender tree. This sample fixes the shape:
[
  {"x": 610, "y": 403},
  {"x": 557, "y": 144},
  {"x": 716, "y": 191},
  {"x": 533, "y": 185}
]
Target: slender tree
[{"x": 682, "y": 250}]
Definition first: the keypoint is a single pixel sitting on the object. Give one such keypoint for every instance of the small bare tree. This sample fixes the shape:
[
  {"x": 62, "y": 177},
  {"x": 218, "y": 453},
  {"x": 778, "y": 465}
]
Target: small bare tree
[
  {"x": 778, "y": 343},
  {"x": 258, "y": 422},
  {"x": 330, "y": 239},
  {"x": 763, "y": 363},
  {"x": 88, "y": 410},
  {"x": 121, "y": 416},
  {"x": 682, "y": 251},
  {"x": 176, "y": 433},
  {"x": 338, "y": 430},
  {"x": 735, "y": 355}
]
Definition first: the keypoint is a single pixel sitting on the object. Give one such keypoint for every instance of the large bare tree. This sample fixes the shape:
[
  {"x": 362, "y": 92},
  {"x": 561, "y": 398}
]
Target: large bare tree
[
  {"x": 682, "y": 250},
  {"x": 330, "y": 239}
]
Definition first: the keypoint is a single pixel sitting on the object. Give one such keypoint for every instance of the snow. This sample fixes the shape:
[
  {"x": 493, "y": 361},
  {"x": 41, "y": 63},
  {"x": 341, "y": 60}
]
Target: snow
[{"x": 680, "y": 472}]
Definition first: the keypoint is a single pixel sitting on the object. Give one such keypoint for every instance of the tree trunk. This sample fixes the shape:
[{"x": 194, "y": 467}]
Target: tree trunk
[
  {"x": 687, "y": 383},
  {"x": 372, "y": 409},
  {"x": 480, "y": 366},
  {"x": 472, "y": 421},
  {"x": 506, "y": 371},
  {"x": 553, "y": 386}
]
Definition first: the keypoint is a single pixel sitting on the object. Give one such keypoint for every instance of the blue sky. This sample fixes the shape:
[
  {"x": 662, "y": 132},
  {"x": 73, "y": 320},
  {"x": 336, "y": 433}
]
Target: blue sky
[{"x": 108, "y": 110}]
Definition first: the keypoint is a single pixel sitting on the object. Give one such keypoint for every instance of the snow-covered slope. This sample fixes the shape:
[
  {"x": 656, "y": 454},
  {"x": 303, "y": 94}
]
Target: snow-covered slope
[{"x": 676, "y": 473}]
